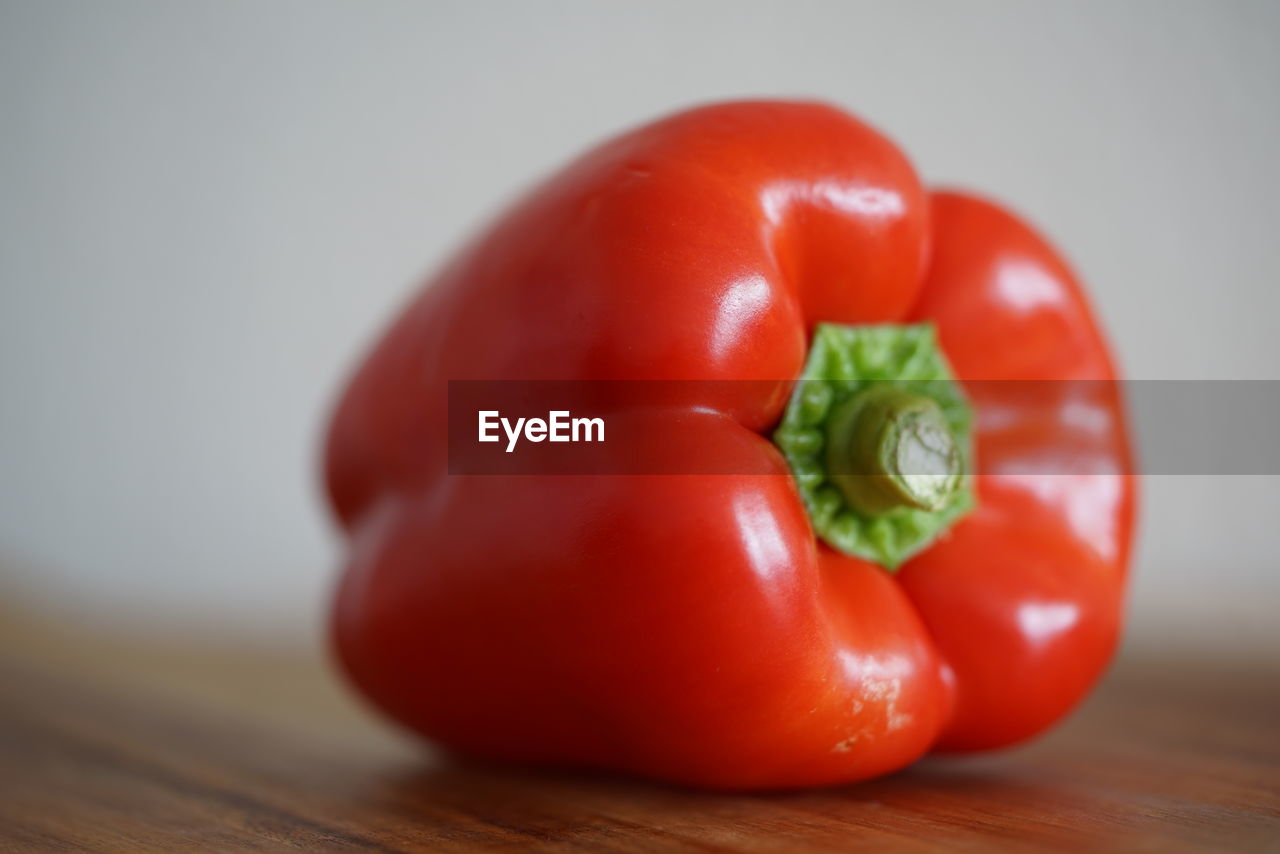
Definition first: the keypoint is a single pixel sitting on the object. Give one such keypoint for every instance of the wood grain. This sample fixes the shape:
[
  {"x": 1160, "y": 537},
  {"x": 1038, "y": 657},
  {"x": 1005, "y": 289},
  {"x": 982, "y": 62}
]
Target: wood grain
[{"x": 109, "y": 746}]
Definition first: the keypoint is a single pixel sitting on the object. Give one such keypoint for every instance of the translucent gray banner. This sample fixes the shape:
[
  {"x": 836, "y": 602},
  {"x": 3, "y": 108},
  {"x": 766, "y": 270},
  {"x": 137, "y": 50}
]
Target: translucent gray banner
[{"x": 1223, "y": 427}]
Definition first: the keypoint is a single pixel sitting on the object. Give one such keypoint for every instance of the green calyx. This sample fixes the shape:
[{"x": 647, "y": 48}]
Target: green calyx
[{"x": 877, "y": 434}]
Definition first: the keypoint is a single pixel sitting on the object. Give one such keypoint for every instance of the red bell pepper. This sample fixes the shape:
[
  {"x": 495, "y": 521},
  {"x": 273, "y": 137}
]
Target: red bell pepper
[{"x": 738, "y": 630}]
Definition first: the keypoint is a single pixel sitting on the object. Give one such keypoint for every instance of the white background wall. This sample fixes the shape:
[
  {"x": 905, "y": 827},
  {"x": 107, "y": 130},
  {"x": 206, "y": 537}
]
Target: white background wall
[{"x": 207, "y": 210}]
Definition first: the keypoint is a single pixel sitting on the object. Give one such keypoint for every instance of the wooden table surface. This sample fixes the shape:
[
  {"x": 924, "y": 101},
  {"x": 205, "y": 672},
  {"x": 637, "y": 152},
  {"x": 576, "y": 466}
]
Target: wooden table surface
[{"x": 114, "y": 746}]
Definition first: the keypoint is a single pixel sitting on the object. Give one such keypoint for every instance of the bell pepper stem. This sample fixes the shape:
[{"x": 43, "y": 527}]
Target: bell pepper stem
[
  {"x": 889, "y": 448},
  {"x": 878, "y": 436}
]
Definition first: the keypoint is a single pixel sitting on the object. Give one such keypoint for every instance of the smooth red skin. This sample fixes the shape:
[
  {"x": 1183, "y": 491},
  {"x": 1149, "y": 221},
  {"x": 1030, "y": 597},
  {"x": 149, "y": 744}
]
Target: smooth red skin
[{"x": 690, "y": 628}]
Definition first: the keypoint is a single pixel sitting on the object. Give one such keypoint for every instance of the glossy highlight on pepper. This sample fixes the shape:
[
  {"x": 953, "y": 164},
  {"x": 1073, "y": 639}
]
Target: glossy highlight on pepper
[{"x": 696, "y": 628}]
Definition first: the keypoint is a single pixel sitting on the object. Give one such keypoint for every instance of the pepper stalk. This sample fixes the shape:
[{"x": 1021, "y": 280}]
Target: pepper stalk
[{"x": 878, "y": 436}]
